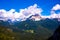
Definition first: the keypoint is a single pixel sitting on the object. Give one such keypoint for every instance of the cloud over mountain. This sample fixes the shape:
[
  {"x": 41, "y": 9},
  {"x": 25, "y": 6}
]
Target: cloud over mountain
[
  {"x": 23, "y": 14},
  {"x": 53, "y": 12}
]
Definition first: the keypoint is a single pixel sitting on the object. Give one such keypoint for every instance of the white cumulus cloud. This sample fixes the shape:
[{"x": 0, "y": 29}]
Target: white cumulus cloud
[
  {"x": 53, "y": 13},
  {"x": 56, "y": 7},
  {"x": 22, "y": 15}
]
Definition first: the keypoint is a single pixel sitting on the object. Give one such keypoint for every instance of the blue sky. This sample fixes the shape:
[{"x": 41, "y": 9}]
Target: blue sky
[{"x": 46, "y": 5}]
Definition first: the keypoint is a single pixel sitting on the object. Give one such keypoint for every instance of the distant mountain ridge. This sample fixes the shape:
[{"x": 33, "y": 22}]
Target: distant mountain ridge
[
  {"x": 47, "y": 23},
  {"x": 43, "y": 28}
]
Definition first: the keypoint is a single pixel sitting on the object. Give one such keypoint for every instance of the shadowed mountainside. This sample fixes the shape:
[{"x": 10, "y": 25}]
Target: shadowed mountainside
[{"x": 56, "y": 35}]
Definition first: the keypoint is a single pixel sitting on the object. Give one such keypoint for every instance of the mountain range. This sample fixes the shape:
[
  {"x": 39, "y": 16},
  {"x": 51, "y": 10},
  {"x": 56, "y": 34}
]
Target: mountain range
[{"x": 43, "y": 28}]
